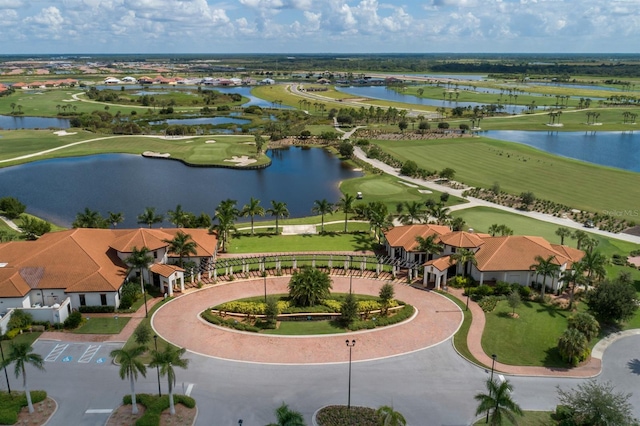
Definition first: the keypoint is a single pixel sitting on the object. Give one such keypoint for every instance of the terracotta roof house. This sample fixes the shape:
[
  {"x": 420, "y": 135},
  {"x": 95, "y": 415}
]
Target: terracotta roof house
[
  {"x": 87, "y": 267},
  {"x": 506, "y": 258}
]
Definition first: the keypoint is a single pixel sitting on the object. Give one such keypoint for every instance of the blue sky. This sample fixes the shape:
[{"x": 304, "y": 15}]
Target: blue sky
[{"x": 319, "y": 26}]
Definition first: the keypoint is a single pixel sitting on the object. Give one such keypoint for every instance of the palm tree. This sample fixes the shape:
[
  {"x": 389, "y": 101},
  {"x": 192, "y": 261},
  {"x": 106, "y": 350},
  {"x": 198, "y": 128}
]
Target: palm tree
[
  {"x": 179, "y": 217},
  {"x": 182, "y": 245},
  {"x": 130, "y": 367},
  {"x": 89, "y": 219},
  {"x": 572, "y": 278},
  {"x": 287, "y": 417},
  {"x": 389, "y": 417},
  {"x": 279, "y": 210},
  {"x": 411, "y": 212},
  {"x": 498, "y": 403},
  {"x": 252, "y": 209},
  {"x": 464, "y": 257},
  {"x": 429, "y": 246},
  {"x": 149, "y": 217},
  {"x": 572, "y": 345},
  {"x": 115, "y": 218},
  {"x": 440, "y": 213},
  {"x": 22, "y": 354},
  {"x": 563, "y": 232},
  {"x": 140, "y": 259},
  {"x": 226, "y": 213},
  {"x": 346, "y": 205},
  {"x": 579, "y": 235},
  {"x": 593, "y": 263},
  {"x": 322, "y": 207},
  {"x": 547, "y": 268},
  {"x": 493, "y": 229},
  {"x": 378, "y": 216},
  {"x": 166, "y": 360}
]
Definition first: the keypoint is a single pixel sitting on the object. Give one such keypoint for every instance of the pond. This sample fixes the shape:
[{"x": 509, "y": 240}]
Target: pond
[
  {"x": 613, "y": 149},
  {"x": 201, "y": 121},
  {"x": 26, "y": 122},
  {"x": 58, "y": 189},
  {"x": 384, "y": 93}
]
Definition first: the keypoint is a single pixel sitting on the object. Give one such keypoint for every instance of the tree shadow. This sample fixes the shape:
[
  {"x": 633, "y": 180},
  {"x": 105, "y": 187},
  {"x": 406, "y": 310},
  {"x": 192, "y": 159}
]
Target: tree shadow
[
  {"x": 551, "y": 310},
  {"x": 634, "y": 366},
  {"x": 553, "y": 360}
]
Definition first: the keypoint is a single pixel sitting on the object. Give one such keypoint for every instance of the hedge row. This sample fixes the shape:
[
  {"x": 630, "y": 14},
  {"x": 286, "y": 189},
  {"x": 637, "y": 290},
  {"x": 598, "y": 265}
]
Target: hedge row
[
  {"x": 400, "y": 315},
  {"x": 327, "y": 306},
  {"x": 97, "y": 309},
  {"x": 229, "y": 322}
]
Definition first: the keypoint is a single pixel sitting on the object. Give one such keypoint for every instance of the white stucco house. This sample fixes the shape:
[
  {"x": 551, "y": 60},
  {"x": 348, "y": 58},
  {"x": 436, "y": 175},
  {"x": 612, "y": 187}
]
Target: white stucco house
[
  {"x": 504, "y": 258},
  {"x": 87, "y": 267}
]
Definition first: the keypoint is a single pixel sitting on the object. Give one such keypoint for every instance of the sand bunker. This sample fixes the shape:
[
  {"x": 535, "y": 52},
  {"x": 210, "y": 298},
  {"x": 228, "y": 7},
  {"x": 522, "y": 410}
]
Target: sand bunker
[
  {"x": 425, "y": 191},
  {"x": 156, "y": 154},
  {"x": 64, "y": 133},
  {"x": 408, "y": 184},
  {"x": 241, "y": 161},
  {"x": 210, "y": 141}
]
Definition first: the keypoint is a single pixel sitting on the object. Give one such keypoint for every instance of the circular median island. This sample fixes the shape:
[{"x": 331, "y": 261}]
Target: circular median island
[{"x": 436, "y": 320}]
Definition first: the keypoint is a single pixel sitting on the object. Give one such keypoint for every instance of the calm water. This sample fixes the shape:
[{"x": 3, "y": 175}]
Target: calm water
[
  {"x": 13, "y": 122},
  {"x": 381, "y": 92},
  {"x": 58, "y": 189},
  {"x": 614, "y": 149},
  {"x": 202, "y": 120}
]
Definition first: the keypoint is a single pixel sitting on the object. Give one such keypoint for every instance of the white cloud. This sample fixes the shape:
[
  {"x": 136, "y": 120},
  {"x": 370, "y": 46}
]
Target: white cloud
[{"x": 11, "y": 4}]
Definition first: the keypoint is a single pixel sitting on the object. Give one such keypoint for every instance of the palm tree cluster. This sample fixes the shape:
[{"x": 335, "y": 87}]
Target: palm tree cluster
[{"x": 131, "y": 366}]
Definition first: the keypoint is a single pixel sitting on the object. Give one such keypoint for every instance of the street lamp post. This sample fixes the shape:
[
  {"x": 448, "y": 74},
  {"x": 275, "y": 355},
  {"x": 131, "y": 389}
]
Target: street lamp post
[
  {"x": 350, "y": 345},
  {"x": 155, "y": 342},
  {"x": 240, "y": 422},
  {"x": 493, "y": 364},
  {"x": 5, "y": 370}
]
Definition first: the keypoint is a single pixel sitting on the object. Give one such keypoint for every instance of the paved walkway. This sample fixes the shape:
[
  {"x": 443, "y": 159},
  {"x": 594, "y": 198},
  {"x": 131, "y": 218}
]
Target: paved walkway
[
  {"x": 178, "y": 322},
  {"x": 474, "y": 343}
]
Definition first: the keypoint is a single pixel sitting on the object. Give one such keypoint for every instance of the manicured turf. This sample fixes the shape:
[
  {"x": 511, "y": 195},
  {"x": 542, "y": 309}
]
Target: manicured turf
[
  {"x": 460, "y": 338},
  {"x": 530, "y": 418},
  {"x": 298, "y": 328},
  {"x": 531, "y": 339},
  {"x": 295, "y": 243},
  {"x": 517, "y": 168},
  {"x": 193, "y": 150},
  {"x": 20, "y": 338},
  {"x": 102, "y": 325}
]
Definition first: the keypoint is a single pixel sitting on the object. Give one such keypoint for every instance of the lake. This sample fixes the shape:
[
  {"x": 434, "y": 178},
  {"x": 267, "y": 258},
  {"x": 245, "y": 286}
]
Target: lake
[
  {"x": 384, "y": 93},
  {"x": 23, "y": 122},
  {"x": 614, "y": 149},
  {"x": 201, "y": 121},
  {"x": 58, "y": 189}
]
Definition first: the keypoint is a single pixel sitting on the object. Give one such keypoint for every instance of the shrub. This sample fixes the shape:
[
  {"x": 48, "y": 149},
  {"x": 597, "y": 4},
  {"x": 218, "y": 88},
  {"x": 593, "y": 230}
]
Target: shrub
[
  {"x": 126, "y": 301},
  {"x": 332, "y": 304},
  {"x": 480, "y": 292},
  {"x": 11, "y": 334},
  {"x": 461, "y": 282},
  {"x": 73, "y": 320},
  {"x": 19, "y": 319},
  {"x": 96, "y": 309},
  {"x": 525, "y": 292},
  {"x": 502, "y": 288},
  {"x": 348, "y": 310},
  {"x": 8, "y": 417},
  {"x": 489, "y": 303}
]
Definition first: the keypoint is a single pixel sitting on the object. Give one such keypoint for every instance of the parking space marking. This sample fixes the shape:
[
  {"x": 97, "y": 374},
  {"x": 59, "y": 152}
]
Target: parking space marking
[
  {"x": 189, "y": 389},
  {"x": 56, "y": 352},
  {"x": 89, "y": 353},
  {"x": 99, "y": 411}
]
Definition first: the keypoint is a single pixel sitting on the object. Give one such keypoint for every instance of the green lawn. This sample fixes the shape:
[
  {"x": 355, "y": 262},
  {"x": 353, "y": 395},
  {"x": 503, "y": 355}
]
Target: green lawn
[
  {"x": 193, "y": 150},
  {"x": 530, "y": 339},
  {"x": 150, "y": 345},
  {"x": 297, "y": 328},
  {"x": 391, "y": 190},
  {"x": 102, "y": 325},
  {"x": 530, "y": 418},
  {"x": 20, "y": 338},
  {"x": 269, "y": 243},
  {"x": 519, "y": 168},
  {"x": 460, "y": 338}
]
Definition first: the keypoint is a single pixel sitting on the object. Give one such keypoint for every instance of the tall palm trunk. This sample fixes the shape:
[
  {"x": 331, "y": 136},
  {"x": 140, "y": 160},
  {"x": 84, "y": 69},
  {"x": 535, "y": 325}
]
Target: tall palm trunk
[
  {"x": 172, "y": 407},
  {"x": 134, "y": 405},
  {"x": 26, "y": 390}
]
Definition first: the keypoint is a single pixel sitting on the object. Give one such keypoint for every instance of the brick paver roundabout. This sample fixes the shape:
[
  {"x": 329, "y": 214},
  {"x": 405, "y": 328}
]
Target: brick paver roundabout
[{"x": 178, "y": 322}]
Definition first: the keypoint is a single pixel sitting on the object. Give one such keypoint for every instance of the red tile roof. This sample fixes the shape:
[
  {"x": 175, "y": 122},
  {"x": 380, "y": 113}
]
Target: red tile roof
[
  {"x": 462, "y": 239},
  {"x": 405, "y": 236}
]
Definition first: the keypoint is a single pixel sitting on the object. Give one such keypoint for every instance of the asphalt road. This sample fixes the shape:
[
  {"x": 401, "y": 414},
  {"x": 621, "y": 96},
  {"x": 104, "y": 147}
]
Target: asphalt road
[{"x": 430, "y": 387}]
